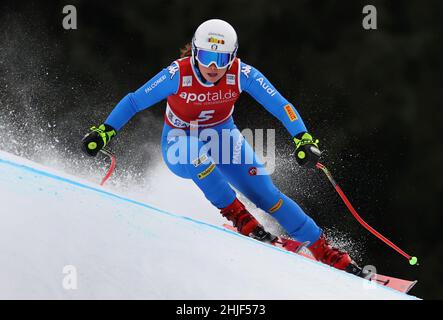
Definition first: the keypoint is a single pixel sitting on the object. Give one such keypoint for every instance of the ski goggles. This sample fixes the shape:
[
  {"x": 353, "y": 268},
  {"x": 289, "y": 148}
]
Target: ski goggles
[{"x": 206, "y": 58}]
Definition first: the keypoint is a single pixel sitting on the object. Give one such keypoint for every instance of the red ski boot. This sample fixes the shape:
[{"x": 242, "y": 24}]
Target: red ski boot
[
  {"x": 245, "y": 223},
  {"x": 322, "y": 251}
]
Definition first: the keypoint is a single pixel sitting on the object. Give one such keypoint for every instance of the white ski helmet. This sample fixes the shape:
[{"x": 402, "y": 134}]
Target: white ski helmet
[{"x": 215, "y": 41}]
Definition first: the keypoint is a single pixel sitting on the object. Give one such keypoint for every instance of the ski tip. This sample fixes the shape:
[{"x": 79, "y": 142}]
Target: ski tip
[{"x": 411, "y": 286}]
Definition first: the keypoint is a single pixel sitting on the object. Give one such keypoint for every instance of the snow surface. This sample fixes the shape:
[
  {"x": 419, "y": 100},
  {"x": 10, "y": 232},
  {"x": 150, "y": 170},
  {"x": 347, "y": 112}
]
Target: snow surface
[{"x": 126, "y": 249}]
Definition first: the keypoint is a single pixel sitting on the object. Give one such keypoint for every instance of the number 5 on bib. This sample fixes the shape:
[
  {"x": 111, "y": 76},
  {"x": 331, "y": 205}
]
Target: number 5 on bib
[{"x": 206, "y": 115}]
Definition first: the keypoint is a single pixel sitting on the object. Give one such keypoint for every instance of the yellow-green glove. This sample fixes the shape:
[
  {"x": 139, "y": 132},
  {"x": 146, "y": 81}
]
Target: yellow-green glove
[
  {"x": 98, "y": 138},
  {"x": 307, "y": 152}
]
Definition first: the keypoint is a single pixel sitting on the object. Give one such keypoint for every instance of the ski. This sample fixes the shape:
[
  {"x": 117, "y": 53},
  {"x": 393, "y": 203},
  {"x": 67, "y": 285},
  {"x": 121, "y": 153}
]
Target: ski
[
  {"x": 280, "y": 242},
  {"x": 294, "y": 246}
]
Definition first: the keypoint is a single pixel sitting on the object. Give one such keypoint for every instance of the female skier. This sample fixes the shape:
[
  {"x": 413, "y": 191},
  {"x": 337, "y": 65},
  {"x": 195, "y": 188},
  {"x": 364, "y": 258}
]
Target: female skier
[{"x": 201, "y": 89}]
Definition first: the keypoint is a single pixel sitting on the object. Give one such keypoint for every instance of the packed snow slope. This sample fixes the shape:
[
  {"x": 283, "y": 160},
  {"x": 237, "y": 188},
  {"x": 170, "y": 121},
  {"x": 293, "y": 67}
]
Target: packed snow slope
[{"x": 119, "y": 248}]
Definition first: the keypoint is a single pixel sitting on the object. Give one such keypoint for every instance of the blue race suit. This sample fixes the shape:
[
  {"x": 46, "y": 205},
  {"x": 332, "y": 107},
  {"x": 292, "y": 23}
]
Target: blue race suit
[{"x": 215, "y": 181}]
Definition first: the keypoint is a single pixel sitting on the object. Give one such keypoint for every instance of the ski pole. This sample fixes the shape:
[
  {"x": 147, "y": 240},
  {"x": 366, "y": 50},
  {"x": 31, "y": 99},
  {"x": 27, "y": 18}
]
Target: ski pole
[
  {"x": 108, "y": 153},
  {"x": 412, "y": 260}
]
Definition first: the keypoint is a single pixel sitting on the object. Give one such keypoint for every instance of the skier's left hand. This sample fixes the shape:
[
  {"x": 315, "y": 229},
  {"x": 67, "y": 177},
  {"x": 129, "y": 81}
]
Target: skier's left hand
[
  {"x": 307, "y": 152},
  {"x": 97, "y": 139}
]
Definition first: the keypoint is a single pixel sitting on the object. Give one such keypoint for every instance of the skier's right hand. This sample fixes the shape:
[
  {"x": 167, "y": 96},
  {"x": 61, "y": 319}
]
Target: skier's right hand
[{"x": 97, "y": 138}]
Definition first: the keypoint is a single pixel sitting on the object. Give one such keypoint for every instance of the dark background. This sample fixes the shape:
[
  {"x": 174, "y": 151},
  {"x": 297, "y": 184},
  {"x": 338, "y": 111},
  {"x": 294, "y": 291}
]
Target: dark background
[{"x": 371, "y": 97}]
